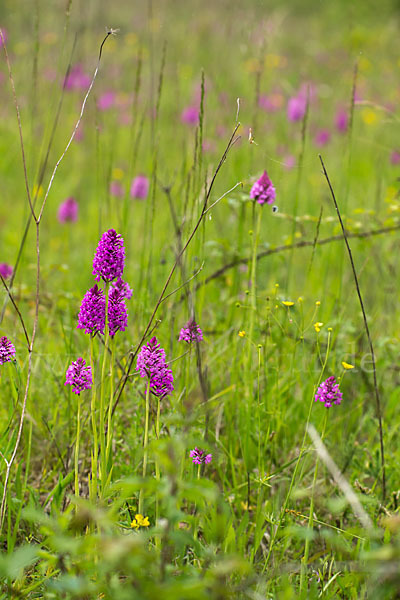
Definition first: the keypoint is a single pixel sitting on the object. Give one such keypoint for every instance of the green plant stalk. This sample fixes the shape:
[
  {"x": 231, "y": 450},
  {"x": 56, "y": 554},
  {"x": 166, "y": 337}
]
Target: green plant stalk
[
  {"x": 109, "y": 415},
  {"x": 93, "y": 484},
  {"x": 78, "y": 433},
  {"x": 253, "y": 294},
  {"x": 103, "y": 461},
  {"x": 187, "y": 375},
  {"x": 253, "y": 309},
  {"x": 158, "y": 539},
  {"x": 260, "y": 462},
  {"x": 303, "y": 569},
  {"x": 145, "y": 444}
]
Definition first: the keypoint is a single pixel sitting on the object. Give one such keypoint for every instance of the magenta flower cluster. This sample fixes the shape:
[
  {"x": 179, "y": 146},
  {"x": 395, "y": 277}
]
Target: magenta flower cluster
[
  {"x": 7, "y": 350},
  {"x": 6, "y": 270},
  {"x": 117, "y": 315},
  {"x": 263, "y": 190},
  {"x": 77, "y": 79},
  {"x": 139, "y": 187},
  {"x": 151, "y": 364},
  {"x": 108, "y": 264},
  {"x": 109, "y": 258},
  {"x": 329, "y": 393},
  {"x": 123, "y": 287},
  {"x": 68, "y": 211},
  {"x": 92, "y": 314},
  {"x": 79, "y": 375},
  {"x": 191, "y": 332},
  {"x": 199, "y": 457}
]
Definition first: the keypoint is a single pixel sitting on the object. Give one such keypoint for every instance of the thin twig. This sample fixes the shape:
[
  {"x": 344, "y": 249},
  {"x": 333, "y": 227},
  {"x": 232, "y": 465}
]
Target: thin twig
[
  {"x": 377, "y": 397},
  {"x": 19, "y": 125},
  {"x": 125, "y": 376},
  {"x": 109, "y": 32},
  {"x": 40, "y": 181},
  {"x": 302, "y": 244},
  {"x": 37, "y": 222},
  {"x": 17, "y": 309},
  {"x": 184, "y": 284}
]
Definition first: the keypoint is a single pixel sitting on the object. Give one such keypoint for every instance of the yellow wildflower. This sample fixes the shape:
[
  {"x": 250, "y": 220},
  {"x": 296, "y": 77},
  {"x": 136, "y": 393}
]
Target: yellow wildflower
[
  {"x": 287, "y": 303},
  {"x": 347, "y": 366},
  {"x": 37, "y": 191},
  {"x": 317, "y": 326},
  {"x": 369, "y": 116},
  {"x": 242, "y": 333},
  {"x": 140, "y": 521},
  {"x": 117, "y": 173}
]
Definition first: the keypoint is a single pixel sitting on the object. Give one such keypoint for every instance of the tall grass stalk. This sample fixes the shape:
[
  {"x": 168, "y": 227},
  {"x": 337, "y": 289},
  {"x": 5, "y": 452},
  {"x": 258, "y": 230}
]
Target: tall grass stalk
[
  {"x": 366, "y": 327},
  {"x": 145, "y": 445}
]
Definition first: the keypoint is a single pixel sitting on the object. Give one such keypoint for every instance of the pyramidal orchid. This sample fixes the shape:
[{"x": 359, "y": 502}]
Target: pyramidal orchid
[
  {"x": 329, "y": 393},
  {"x": 109, "y": 258},
  {"x": 79, "y": 376},
  {"x": 92, "y": 312},
  {"x": 263, "y": 190},
  {"x": 191, "y": 332},
  {"x": 7, "y": 350},
  {"x": 151, "y": 363}
]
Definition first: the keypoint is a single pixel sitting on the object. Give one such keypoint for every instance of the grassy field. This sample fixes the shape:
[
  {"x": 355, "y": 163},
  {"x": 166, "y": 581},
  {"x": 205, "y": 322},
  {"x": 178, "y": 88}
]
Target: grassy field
[{"x": 162, "y": 138}]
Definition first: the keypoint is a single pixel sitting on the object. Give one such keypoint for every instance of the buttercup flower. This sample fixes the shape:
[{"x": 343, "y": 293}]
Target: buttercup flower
[
  {"x": 263, "y": 191},
  {"x": 92, "y": 312},
  {"x": 7, "y": 350},
  {"x": 140, "y": 521},
  {"x": 109, "y": 259},
  {"x": 329, "y": 393},
  {"x": 6, "y": 270},
  {"x": 347, "y": 366},
  {"x": 199, "y": 457},
  {"x": 68, "y": 211},
  {"x": 191, "y": 332},
  {"x": 79, "y": 375},
  {"x": 140, "y": 187}
]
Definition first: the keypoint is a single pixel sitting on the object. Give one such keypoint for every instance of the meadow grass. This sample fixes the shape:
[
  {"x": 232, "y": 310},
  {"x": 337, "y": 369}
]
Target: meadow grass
[{"x": 161, "y": 137}]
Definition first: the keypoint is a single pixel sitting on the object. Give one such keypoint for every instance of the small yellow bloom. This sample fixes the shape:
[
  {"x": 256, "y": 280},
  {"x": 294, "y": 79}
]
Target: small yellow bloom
[
  {"x": 346, "y": 366},
  {"x": 242, "y": 333},
  {"x": 369, "y": 116},
  {"x": 317, "y": 303},
  {"x": 140, "y": 521},
  {"x": 117, "y": 173},
  {"x": 300, "y": 299},
  {"x": 317, "y": 327},
  {"x": 37, "y": 191},
  {"x": 329, "y": 328},
  {"x": 287, "y": 303}
]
